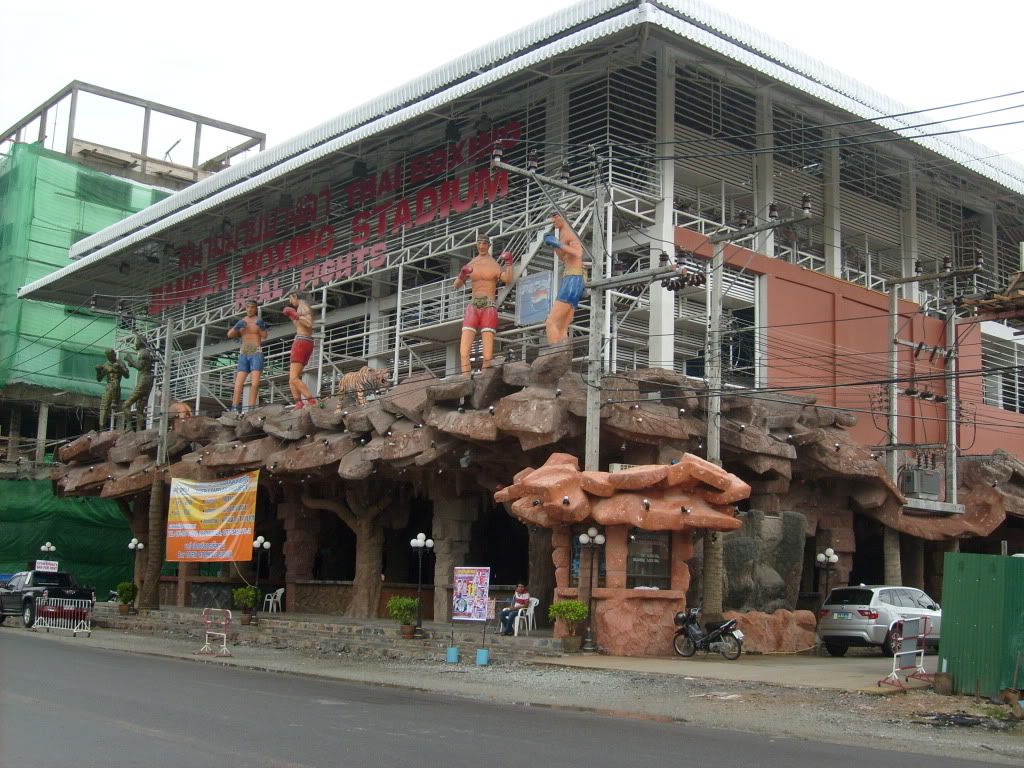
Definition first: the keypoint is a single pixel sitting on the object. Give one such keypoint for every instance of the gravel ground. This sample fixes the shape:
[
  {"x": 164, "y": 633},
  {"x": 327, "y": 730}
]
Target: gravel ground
[{"x": 898, "y": 721}]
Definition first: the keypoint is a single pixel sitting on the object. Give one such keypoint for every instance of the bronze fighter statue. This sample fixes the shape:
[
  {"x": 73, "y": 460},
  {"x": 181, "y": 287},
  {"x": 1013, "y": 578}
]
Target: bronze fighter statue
[{"x": 111, "y": 372}]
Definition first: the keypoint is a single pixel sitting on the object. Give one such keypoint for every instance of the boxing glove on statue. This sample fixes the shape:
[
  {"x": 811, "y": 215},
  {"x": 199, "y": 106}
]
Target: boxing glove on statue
[{"x": 290, "y": 313}]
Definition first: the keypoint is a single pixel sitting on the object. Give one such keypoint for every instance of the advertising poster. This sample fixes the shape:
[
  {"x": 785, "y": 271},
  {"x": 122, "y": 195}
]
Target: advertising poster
[
  {"x": 533, "y": 298},
  {"x": 211, "y": 522},
  {"x": 469, "y": 598}
]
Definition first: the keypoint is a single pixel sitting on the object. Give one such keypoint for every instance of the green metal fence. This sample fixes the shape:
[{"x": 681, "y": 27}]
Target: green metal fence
[{"x": 982, "y": 634}]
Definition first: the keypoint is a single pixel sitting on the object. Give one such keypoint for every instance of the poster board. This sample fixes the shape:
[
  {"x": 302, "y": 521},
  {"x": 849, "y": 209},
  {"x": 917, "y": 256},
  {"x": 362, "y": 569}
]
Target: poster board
[
  {"x": 533, "y": 298},
  {"x": 470, "y": 594},
  {"x": 49, "y": 566},
  {"x": 211, "y": 522}
]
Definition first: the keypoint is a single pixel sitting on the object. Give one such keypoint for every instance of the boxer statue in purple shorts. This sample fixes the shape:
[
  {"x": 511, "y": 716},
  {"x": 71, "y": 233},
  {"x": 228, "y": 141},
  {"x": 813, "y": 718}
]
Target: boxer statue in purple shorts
[
  {"x": 252, "y": 331},
  {"x": 569, "y": 250}
]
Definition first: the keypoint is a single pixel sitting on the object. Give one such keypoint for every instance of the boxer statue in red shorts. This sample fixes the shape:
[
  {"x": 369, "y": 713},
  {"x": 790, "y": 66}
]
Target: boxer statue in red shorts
[
  {"x": 299, "y": 313},
  {"x": 483, "y": 273}
]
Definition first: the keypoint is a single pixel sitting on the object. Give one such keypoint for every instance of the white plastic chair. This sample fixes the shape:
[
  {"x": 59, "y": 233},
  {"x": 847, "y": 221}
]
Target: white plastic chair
[
  {"x": 272, "y": 601},
  {"x": 525, "y": 617}
]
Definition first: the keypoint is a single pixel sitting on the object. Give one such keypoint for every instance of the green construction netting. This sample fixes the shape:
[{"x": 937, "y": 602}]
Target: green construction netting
[
  {"x": 48, "y": 203},
  {"x": 90, "y": 535}
]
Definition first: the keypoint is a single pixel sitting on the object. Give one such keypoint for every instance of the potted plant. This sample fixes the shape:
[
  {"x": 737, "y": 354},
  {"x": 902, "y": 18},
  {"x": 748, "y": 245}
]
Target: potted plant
[
  {"x": 244, "y": 599},
  {"x": 403, "y": 610},
  {"x": 127, "y": 591},
  {"x": 570, "y": 613}
]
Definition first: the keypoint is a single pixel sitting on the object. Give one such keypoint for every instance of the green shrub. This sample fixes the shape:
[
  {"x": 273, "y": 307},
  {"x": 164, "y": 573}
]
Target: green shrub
[
  {"x": 402, "y": 609},
  {"x": 127, "y": 591},
  {"x": 244, "y": 597},
  {"x": 572, "y": 612}
]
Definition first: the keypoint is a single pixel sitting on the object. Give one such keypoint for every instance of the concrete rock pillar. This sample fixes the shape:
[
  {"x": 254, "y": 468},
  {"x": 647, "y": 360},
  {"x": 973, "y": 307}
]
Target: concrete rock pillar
[
  {"x": 451, "y": 531},
  {"x": 302, "y": 534},
  {"x": 541, "y": 580}
]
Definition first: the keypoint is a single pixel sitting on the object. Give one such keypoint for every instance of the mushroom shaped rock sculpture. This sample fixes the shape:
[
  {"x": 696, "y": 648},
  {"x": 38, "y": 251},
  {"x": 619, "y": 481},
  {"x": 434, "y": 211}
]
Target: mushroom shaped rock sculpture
[{"x": 692, "y": 493}]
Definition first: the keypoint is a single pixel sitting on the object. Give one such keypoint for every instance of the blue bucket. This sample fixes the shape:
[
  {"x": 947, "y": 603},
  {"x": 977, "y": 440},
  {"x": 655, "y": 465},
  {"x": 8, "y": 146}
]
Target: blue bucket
[
  {"x": 482, "y": 655},
  {"x": 453, "y": 655}
]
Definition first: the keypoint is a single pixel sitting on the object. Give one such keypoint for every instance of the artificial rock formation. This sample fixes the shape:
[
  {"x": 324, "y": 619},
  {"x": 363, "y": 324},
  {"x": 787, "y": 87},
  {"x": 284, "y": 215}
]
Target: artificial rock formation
[
  {"x": 460, "y": 438},
  {"x": 679, "y": 498}
]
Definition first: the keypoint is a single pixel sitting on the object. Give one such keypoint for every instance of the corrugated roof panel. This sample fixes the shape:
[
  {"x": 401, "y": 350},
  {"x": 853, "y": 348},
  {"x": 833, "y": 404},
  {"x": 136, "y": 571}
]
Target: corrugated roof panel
[{"x": 689, "y": 19}]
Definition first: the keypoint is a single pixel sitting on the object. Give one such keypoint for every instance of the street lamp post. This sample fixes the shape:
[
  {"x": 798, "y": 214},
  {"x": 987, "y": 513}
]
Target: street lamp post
[
  {"x": 826, "y": 563},
  {"x": 135, "y": 546},
  {"x": 591, "y": 540},
  {"x": 47, "y": 548},
  {"x": 259, "y": 544},
  {"x": 420, "y": 545}
]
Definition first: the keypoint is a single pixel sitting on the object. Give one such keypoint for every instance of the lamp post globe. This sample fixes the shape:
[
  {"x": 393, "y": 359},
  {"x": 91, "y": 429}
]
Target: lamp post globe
[
  {"x": 591, "y": 540},
  {"x": 260, "y": 544},
  {"x": 420, "y": 544}
]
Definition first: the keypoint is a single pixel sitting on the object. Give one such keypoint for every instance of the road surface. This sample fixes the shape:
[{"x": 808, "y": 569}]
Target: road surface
[{"x": 67, "y": 705}]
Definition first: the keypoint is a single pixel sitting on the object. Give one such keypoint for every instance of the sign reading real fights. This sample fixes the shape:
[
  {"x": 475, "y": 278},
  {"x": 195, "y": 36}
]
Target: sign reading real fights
[{"x": 299, "y": 244}]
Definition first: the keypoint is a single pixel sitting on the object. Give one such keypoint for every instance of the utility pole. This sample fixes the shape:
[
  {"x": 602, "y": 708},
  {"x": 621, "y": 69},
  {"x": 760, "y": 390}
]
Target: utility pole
[
  {"x": 891, "y": 537},
  {"x": 598, "y": 286},
  {"x": 595, "y": 358},
  {"x": 713, "y": 545},
  {"x": 150, "y": 597}
]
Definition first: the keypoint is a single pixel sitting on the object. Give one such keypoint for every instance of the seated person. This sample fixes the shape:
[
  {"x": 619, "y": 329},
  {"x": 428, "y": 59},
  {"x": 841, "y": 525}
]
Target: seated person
[{"x": 520, "y": 602}]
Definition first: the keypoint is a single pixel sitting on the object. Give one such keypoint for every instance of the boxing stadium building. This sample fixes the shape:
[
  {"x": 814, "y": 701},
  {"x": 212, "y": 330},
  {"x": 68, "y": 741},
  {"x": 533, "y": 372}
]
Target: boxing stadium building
[{"x": 694, "y": 124}]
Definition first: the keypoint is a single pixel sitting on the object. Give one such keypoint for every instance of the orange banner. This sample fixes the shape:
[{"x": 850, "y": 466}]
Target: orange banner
[{"x": 211, "y": 522}]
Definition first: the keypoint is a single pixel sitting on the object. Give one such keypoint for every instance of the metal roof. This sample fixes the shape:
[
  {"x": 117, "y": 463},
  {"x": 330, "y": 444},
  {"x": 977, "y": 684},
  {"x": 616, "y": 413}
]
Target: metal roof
[{"x": 569, "y": 29}]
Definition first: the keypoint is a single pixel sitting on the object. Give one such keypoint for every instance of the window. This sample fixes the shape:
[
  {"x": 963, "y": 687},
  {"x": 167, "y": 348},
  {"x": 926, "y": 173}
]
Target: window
[
  {"x": 79, "y": 365},
  {"x": 649, "y": 562},
  {"x": 104, "y": 190}
]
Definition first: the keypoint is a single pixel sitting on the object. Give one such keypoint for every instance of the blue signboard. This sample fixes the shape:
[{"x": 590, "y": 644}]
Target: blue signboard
[{"x": 533, "y": 298}]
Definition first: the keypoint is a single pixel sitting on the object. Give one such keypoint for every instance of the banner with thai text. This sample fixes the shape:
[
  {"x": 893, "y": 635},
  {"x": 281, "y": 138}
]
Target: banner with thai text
[
  {"x": 211, "y": 522},
  {"x": 469, "y": 597}
]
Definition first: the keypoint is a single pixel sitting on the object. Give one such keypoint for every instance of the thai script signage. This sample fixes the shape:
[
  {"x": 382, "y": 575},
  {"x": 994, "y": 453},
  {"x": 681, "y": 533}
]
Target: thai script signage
[{"x": 211, "y": 522}]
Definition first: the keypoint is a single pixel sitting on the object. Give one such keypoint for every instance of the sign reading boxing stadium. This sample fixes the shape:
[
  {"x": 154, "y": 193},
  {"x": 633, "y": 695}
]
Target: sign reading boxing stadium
[{"x": 300, "y": 243}]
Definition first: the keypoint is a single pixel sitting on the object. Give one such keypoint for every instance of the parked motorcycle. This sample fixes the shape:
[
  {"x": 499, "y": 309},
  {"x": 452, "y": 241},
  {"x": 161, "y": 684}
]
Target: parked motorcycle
[{"x": 726, "y": 639}]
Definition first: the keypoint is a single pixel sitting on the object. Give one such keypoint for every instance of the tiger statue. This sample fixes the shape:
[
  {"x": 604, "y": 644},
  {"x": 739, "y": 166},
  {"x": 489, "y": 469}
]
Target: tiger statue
[{"x": 359, "y": 383}]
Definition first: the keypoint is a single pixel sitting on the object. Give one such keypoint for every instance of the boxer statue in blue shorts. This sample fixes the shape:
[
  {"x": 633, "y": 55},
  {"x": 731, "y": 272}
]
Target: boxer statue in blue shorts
[
  {"x": 252, "y": 331},
  {"x": 570, "y": 289}
]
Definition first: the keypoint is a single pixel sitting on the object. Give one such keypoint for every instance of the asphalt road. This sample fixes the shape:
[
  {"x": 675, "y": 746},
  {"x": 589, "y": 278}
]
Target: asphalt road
[{"x": 67, "y": 705}]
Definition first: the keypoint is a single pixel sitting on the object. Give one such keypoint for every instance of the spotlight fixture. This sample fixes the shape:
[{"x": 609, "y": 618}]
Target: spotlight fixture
[
  {"x": 452, "y": 132},
  {"x": 496, "y": 153},
  {"x": 92, "y": 301},
  {"x": 563, "y": 172},
  {"x": 360, "y": 169},
  {"x": 805, "y": 204},
  {"x": 532, "y": 161},
  {"x": 773, "y": 211}
]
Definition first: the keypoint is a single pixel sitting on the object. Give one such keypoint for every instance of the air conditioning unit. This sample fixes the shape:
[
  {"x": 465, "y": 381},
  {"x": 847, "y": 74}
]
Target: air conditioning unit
[{"x": 922, "y": 483}]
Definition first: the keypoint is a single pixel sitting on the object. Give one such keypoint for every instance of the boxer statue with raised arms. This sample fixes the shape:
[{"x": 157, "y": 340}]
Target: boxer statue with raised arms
[
  {"x": 253, "y": 332},
  {"x": 301, "y": 315},
  {"x": 482, "y": 273},
  {"x": 569, "y": 250}
]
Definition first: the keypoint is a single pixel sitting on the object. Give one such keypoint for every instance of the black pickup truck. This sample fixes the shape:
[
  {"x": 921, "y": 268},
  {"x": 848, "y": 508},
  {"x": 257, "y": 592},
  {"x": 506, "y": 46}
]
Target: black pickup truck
[{"x": 19, "y": 596}]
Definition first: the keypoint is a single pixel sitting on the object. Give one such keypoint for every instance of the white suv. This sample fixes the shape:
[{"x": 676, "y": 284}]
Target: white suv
[{"x": 869, "y": 615}]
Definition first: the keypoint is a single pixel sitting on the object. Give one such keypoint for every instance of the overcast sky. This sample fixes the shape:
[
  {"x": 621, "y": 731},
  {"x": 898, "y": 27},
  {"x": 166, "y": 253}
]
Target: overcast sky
[{"x": 284, "y": 67}]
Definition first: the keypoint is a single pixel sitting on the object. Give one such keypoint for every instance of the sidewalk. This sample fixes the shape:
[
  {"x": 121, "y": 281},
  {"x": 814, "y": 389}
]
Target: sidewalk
[{"x": 850, "y": 673}]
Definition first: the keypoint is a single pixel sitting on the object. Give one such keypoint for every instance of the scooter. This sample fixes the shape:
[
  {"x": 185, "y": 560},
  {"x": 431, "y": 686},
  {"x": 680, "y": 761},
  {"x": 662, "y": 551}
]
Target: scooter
[{"x": 690, "y": 637}]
